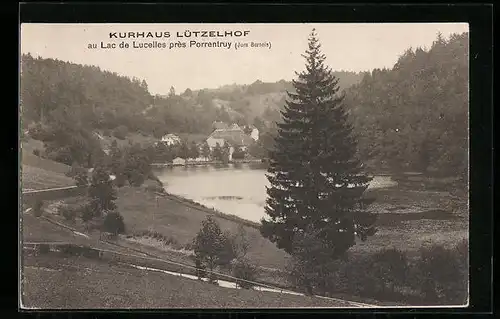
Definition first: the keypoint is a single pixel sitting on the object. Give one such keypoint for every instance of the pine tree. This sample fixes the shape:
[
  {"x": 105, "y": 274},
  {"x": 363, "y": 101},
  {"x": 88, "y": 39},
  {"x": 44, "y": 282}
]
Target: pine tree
[
  {"x": 101, "y": 192},
  {"x": 211, "y": 246},
  {"x": 316, "y": 180},
  {"x": 184, "y": 150},
  {"x": 205, "y": 150},
  {"x": 171, "y": 92},
  {"x": 217, "y": 152},
  {"x": 194, "y": 151}
]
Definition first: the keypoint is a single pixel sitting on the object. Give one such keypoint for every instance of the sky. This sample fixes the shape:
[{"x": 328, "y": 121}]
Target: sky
[{"x": 347, "y": 46}]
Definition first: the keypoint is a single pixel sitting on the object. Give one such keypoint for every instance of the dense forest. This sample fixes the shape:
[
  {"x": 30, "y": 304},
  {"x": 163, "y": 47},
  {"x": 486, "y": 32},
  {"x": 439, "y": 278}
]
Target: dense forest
[
  {"x": 410, "y": 117},
  {"x": 415, "y": 115},
  {"x": 104, "y": 100}
]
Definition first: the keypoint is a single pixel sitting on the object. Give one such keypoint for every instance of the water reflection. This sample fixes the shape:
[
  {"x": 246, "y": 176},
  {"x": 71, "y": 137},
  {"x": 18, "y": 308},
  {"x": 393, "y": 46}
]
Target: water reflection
[{"x": 238, "y": 189}]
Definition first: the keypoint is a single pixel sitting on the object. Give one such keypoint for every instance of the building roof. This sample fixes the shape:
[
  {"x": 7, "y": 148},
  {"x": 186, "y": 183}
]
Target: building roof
[
  {"x": 219, "y": 125},
  {"x": 235, "y": 137},
  {"x": 171, "y": 136}
]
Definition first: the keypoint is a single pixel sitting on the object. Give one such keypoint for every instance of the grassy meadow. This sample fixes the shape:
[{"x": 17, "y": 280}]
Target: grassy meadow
[
  {"x": 90, "y": 284},
  {"x": 408, "y": 219},
  {"x": 40, "y": 173}
]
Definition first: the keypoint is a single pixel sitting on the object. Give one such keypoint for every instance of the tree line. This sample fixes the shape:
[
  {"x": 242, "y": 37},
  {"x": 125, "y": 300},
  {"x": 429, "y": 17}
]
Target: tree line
[{"x": 415, "y": 115}]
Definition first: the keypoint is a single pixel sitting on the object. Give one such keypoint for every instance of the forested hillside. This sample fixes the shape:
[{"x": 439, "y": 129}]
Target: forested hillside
[
  {"x": 101, "y": 99},
  {"x": 411, "y": 117},
  {"x": 64, "y": 103},
  {"x": 415, "y": 115}
]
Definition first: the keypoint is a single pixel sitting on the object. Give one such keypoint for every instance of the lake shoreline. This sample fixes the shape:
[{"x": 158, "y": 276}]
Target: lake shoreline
[
  {"x": 195, "y": 205},
  {"x": 209, "y": 163},
  {"x": 231, "y": 190}
]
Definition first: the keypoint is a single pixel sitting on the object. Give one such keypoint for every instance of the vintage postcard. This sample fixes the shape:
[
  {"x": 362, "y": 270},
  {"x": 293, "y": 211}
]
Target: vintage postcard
[{"x": 244, "y": 165}]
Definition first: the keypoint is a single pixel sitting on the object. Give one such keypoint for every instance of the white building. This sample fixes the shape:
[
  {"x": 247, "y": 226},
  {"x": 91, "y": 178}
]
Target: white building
[
  {"x": 213, "y": 141},
  {"x": 178, "y": 161},
  {"x": 171, "y": 139},
  {"x": 255, "y": 134}
]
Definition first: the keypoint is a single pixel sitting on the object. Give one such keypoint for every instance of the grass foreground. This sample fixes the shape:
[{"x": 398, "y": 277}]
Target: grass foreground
[
  {"x": 91, "y": 284},
  {"x": 41, "y": 173},
  {"x": 408, "y": 219}
]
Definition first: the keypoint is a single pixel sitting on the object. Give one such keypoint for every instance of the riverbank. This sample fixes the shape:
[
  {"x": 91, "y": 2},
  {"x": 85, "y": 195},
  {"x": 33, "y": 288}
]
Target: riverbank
[{"x": 192, "y": 204}]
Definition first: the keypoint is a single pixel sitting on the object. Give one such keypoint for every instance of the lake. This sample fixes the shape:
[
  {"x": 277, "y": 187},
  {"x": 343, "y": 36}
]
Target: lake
[{"x": 238, "y": 189}]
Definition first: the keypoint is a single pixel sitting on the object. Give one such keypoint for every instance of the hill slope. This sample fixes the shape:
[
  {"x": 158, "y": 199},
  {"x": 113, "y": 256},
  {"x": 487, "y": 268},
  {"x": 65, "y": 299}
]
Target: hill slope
[
  {"x": 41, "y": 173},
  {"x": 415, "y": 115}
]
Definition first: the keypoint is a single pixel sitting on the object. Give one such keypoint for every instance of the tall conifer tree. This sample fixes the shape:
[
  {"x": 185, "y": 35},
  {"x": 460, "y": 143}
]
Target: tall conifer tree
[{"x": 316, "y": 180}]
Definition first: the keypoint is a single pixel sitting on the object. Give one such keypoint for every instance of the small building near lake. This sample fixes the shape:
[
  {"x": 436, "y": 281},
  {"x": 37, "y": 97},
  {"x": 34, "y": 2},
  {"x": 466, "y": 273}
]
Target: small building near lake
[
  {"x": 233, "y": 137},
  {"x": 171, "y": 139},
  {"x": 178, "y": 161},
  {"x": 254, "y": 134}
]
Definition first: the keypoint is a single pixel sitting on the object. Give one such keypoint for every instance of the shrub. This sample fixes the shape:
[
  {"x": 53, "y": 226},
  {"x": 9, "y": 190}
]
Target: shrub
[
  {"x": 238, "y": 154},
  {"x": 200, "y": 268},
  {"x": 120, "y": 132},
  {"x": 60, "y": 155},
  {"x": 68, "y": 212},
  {"x": 359, "y": 276},
  {"x": 311, "y": 259},
  {"x": 155, "y": 178},
  {"x": 36, "y": 152},
  {"x": 75, "y": 170},
  {"x": 101, "y": 191},
  {"x": 441, "y": 274},
  {"x": 213, "y": 247},
  {"x": 37, "y": 132},
  {"x": 154, "y": 188},
  {"x": 43, "y": 248},
  {"x": 241, "y": 242},
  {"x": 136, "y": 178},
  {"x": 460, "y": 287},
  {"x": 90, "y": 252},
  {"x": 390, "y": 269},
  {"x": 113, "y": 223},
  {"x": 38, "y": 208},
  {"x": 70, "y": 250},
  {"x": 81, "y": 179},
  {"x": 245, "y": 270},
  {"x": 120, "y": 180},
  {"x": 87, "y": 212},
  {"x": 376, "y": 275},
  {"x": 167, "y": 240},
  {"x": 301, "y": 275}
]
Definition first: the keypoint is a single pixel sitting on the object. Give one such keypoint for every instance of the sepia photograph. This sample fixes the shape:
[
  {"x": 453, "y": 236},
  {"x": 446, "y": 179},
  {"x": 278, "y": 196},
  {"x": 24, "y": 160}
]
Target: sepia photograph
[{"x": 243, "y": 165}]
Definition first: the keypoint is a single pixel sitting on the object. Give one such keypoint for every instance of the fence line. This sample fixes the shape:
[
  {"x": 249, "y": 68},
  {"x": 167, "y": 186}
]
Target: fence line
[
  {"x": 28, "y": 196},
  {"x": 48, "y": 189},
  {"x": 235, "y": 279}
]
